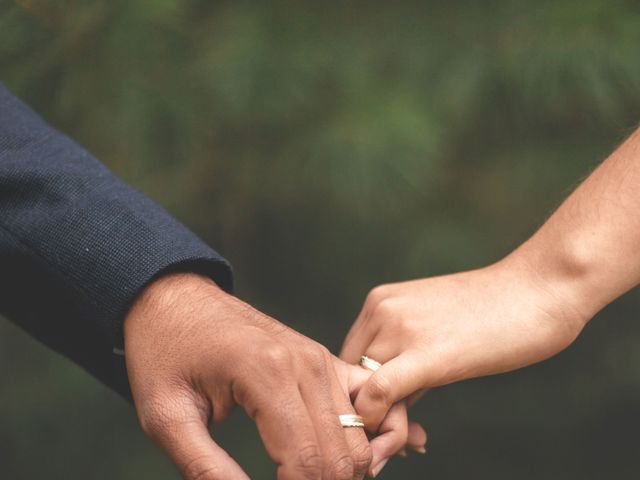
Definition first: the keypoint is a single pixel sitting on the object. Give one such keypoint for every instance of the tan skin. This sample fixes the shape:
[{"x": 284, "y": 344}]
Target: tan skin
[
  {"x": 194, "y": 352},
  {"x": 521, "y": 310}
]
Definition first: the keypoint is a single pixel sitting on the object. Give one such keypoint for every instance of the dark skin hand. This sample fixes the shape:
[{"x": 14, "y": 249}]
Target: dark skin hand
[{"x": 194, "y": 352}]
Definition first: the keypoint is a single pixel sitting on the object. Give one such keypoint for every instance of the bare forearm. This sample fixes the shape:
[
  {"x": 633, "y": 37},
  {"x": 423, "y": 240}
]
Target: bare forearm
[
  {"x": 588, "y": 251},
  {"x": 521, "y": 310}
]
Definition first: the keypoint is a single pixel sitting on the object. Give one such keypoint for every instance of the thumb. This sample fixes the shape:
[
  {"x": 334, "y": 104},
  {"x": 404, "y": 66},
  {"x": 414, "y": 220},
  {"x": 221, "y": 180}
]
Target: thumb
[
  {"x": 186, "y": 440},
  {"x": 393, "y": 381}
]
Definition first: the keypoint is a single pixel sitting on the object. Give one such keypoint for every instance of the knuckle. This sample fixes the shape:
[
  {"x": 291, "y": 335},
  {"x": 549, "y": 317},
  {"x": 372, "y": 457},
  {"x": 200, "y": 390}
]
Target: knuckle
[
  {"x": 406, "y": 323},
  {"x": 379, "y": 292},
  {"x": 155, "y": 420},
  {"x": 200, "y": 468},
  {"x": 210, "y": 473},
  {"x": 163, "y": 420},
  {"x": 386, "y": 309},
  {"x": 379, "y": 390},
  {"x": 341, "y": 468},
  {"x": 317, "y": 358},
  {"x": 309, "y": 462},
  {"x": 277, "y": 356},
  {"x": 376, "y": 295},
  {"x": 362, "y": 456}
]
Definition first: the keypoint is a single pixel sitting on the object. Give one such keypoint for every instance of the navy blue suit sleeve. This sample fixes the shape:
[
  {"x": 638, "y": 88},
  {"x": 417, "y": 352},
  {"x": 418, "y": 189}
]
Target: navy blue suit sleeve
[{"x": 77, "y": 245}]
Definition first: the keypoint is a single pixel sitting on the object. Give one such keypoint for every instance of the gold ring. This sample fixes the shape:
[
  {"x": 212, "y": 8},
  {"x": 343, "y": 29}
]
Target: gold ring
[
  {"x": 369, "y": 363},
  {"x": 351, "y": 420}
]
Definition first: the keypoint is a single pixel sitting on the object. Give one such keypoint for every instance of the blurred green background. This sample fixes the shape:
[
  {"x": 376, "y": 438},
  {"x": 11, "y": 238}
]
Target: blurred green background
[{"x": 324, "y": 148}]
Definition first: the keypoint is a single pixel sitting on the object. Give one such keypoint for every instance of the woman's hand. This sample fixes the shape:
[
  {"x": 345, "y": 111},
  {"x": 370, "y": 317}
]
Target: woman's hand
[
  {"x": 525, "y": 308},
  {"x": 439, "y": 330}
]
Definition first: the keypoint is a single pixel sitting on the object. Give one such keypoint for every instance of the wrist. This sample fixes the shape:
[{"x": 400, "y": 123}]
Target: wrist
[
  {"x": 167, "y": 293},
  {"x": 553, "y": 285}
]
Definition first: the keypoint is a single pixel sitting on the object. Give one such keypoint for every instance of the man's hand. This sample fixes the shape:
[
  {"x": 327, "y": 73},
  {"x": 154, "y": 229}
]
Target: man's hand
[{"x": 193, "y": 352}]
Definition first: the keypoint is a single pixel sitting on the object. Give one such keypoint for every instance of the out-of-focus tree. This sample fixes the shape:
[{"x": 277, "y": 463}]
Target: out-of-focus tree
[{"x": 325, "y": 147}]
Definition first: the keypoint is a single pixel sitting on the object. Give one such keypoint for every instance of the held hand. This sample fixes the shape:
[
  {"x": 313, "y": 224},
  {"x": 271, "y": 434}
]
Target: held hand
[
  {"x": 395, "y": 432},
  {"x": 193, "y": 352},
  {"x": 440, "y": 330}
]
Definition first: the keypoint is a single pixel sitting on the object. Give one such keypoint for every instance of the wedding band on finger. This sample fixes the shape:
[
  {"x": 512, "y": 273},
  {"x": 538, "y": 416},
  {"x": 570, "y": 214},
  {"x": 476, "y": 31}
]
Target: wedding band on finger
[
  {"x": 351, "y": 420},
  {"x": 369, "y": 363}
]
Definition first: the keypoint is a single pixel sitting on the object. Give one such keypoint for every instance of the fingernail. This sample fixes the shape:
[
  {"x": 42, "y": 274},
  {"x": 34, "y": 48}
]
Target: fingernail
[
  {"x": 378, "y": 468},
  {"x": 421, "y": 449},
  {"x": 402, "y": 453}
]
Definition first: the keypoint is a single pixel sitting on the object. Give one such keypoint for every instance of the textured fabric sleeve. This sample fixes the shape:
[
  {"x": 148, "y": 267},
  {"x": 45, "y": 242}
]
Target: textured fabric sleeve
[{"x": 77, "y": 245}]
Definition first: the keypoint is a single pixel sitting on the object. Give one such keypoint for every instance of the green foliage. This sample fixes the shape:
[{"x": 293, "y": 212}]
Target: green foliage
[{"x": 325, "y": 147}]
